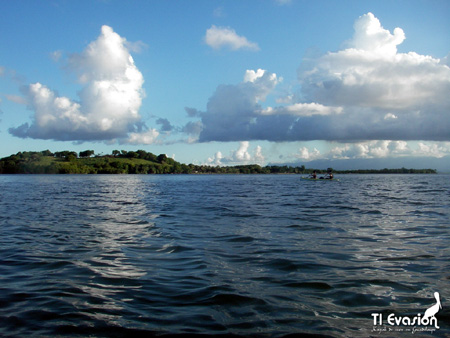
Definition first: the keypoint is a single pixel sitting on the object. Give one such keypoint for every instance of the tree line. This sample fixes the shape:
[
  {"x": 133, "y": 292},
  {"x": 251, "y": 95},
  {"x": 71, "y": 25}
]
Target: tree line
[{"x": 143, "y": 162}]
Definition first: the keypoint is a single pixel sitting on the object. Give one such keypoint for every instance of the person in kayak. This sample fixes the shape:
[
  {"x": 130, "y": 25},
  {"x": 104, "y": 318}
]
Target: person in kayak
[
  {"x": 329, "y": 175},
  {"x": 313, "y": 175}
]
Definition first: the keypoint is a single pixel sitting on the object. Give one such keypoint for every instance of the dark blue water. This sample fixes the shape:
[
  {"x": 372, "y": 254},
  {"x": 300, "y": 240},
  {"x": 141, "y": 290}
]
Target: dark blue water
[{"x": 267, "y": 255}]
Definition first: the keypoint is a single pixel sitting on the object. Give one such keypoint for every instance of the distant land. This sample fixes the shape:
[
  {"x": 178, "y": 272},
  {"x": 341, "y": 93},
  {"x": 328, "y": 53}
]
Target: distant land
[
  {"x": 143, "y": 162},
  {"x": 441, "y": 165}
]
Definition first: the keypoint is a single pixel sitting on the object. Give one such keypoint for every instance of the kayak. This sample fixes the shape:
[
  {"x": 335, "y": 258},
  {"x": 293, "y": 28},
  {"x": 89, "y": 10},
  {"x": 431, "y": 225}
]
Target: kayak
[{"x": 319, "y": 179}]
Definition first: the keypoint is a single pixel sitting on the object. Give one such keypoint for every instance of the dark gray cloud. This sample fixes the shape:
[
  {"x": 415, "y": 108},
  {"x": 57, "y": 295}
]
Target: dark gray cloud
[{"x": 165, "y": 124}]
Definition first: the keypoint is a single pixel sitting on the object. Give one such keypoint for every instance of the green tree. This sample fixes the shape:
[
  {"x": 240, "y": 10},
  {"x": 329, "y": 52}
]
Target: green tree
[
  {"x": 47, "y": 153},
  {"x": 162, "y": 158},
  {"x": 86, "y": 153},
  {"x": 71, "y": 158}
]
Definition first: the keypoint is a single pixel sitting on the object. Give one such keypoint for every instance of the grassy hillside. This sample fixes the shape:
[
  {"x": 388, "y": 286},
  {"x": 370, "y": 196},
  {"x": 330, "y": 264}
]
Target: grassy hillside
[{"x": 68, "y": 162}]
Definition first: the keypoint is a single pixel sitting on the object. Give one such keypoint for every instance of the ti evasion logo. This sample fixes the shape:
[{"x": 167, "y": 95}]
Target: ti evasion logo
[{"x": 414, "y": 324}]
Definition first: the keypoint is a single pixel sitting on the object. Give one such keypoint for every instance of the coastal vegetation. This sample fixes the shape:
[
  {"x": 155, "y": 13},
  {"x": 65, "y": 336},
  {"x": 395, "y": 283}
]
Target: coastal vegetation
[{"x": 143, "y": 162}]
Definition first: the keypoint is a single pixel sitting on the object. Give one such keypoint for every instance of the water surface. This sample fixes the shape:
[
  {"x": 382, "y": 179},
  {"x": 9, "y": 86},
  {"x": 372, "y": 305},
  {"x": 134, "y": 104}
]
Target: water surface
[{"x": 267, "y": 255}]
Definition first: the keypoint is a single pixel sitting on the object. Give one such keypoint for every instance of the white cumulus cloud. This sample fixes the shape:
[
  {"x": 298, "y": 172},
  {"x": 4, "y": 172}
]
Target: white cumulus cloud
[
  {"x": 377, "y": 150},
  {"x": 258, "y": 157},
  {"x": 226, "y": 37},
  {"x": 371, "y": 36},
  {"x": 437, "y": 149},
  {"x": 367, "y": 91},
  {"x": 384, "y": 94},
  {"x": 109, "y": 102},
  {"x": 370, "y": 149},
  {"x": 307, "y": 154},
  {"x": 216, "y": 159},
  {"x": 146, "y": 137},
  {"x": 242, "y": 155}
]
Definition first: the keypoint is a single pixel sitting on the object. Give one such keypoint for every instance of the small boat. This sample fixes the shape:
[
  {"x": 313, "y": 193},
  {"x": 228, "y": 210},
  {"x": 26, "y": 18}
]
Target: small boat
[{"x": 319, "y": 179}]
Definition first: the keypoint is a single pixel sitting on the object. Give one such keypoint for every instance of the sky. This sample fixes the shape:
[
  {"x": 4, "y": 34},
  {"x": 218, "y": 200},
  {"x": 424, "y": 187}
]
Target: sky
[{"x": 229, "y": 82}]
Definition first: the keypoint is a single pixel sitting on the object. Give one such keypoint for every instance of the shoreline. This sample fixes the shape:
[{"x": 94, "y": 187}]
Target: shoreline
[{"x": 143, "y": 162}]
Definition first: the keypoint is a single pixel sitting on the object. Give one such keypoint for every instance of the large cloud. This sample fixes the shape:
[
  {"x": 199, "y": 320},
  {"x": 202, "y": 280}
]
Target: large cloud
[
  {"x": 372, "y": 73},
  {"x": 233, "y": 108},
  {"x": 367, "y": 91},
  {"x": 109, "y": 102}
]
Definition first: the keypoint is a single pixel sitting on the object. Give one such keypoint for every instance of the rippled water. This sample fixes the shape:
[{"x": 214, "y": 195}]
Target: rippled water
[{"x": 267, "y": 255}]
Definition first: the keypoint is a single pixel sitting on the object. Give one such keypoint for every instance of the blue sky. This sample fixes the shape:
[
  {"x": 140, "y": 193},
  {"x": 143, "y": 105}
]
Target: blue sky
[{"x": 228, "y": 82}]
